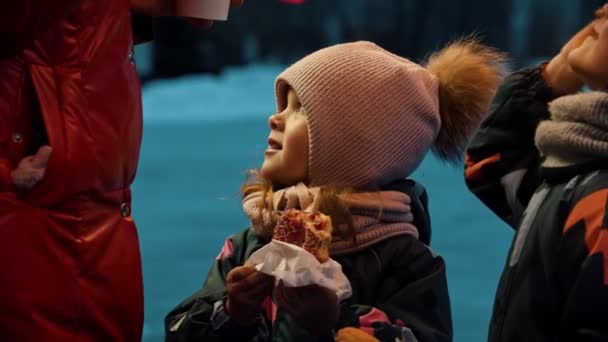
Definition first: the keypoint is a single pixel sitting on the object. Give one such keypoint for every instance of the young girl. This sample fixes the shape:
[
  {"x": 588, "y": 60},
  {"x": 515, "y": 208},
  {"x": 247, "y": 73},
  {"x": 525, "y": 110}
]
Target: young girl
[
  {"x": 544, "y": 148},
  {"x": 353, "y": 121}
]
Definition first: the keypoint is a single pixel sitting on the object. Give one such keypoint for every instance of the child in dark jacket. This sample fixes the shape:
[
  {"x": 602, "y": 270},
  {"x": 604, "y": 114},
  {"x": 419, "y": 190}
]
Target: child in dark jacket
[
  {"x": 353, "y": 121},
  {"x": 540, "y": 162}
]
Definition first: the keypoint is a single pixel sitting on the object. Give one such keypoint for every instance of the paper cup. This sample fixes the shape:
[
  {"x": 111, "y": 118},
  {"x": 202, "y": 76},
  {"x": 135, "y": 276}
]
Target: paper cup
[{"x": 203, "y": 9}]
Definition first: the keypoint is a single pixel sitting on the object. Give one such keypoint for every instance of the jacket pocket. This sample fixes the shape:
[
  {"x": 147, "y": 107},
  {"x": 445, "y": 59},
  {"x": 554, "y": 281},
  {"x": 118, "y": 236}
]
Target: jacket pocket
[{"x": 49, "y": 189}]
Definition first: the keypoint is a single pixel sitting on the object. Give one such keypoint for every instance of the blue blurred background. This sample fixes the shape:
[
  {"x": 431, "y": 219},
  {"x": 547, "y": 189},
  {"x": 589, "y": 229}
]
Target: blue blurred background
[{"x": 207, "y": 96}]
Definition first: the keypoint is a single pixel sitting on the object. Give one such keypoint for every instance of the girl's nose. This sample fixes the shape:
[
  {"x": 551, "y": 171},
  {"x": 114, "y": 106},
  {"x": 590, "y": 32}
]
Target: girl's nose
[{"x": 274, "y": 122}]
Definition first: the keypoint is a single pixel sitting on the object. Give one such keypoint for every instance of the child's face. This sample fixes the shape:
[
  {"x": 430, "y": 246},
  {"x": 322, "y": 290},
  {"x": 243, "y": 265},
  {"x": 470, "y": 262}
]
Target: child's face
[
  {"x": 286, "y": 159},
  {"x": 590, "y": 59}
]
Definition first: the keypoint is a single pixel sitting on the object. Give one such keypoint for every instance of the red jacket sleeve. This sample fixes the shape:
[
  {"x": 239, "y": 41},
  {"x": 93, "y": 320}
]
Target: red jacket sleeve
[{"x": 21, "y": 20}]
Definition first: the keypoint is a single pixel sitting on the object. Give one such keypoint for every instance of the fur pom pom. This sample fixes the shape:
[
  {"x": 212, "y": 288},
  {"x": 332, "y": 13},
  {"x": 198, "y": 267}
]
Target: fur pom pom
[{"x": 469, "y": 74}]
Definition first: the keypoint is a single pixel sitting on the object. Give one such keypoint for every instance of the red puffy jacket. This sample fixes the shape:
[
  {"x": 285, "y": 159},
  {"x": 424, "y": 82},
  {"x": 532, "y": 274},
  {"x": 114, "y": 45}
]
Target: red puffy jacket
[{"x": 70, "y": 265}]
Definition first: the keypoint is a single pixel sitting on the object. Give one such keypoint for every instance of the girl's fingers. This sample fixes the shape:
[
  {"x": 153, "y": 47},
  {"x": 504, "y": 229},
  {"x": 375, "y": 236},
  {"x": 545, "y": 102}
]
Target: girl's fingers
[
  {"x": 237, "y": 281},
  {"x": 239, "y": 273},
  {"x": 260, "y": 278},
  {"x": 254, "y": 285},
  {"x": 248, "y": 300},
  {"x": 259, "y": 290},
  {"x": 257, "y": 279}
]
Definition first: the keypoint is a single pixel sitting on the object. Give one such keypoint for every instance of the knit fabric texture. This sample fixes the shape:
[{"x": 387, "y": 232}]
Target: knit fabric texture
[
  {"x": 372, "y": 115},
  {"x": 577, "y": 131},
  {"x": 377, "y": 215}
]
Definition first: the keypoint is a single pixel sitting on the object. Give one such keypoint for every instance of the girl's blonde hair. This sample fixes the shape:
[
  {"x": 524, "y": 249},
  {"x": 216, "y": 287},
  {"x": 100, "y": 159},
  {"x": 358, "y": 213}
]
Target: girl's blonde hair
[{"x": 329, "y": 202}]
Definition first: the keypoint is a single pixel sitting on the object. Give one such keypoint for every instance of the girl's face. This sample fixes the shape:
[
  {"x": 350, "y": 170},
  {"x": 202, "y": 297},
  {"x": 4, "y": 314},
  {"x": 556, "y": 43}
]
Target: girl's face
[
  {"x": 590, "y": 59},
  {"x": 286, "y": 158}
]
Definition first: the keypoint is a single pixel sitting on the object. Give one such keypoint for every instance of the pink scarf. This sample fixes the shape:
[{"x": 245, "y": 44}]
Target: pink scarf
[{"x": 377, "y": 216}]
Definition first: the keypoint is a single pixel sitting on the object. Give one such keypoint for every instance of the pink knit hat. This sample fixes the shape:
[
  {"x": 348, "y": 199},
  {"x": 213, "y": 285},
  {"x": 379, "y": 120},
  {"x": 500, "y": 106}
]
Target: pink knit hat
[{"x": 372, "y": 115}]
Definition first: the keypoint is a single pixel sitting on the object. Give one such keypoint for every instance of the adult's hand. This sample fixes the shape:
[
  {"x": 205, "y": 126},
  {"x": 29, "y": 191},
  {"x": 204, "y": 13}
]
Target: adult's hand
[
  {"x": 31, "y": 169},
  {"x": 159, "y": 8}
]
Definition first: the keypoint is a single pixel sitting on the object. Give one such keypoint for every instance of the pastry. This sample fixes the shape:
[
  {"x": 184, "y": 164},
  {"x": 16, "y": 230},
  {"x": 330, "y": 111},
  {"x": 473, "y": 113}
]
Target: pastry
[{"x": 309, "y": 230}]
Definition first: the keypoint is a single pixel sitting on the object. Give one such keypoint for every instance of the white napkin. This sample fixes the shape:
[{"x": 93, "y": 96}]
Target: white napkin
[{"x": 297, "y": 267}]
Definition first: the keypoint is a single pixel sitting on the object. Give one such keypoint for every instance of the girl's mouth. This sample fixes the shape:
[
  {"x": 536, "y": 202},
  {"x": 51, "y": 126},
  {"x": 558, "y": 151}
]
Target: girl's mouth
[
  {"x": 270, "y": 151},
  {"x": 273, "y": 144}
]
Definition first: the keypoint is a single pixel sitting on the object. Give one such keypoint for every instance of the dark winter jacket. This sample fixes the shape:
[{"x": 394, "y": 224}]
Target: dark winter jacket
[
  {"x": 399, "y": 291},
  {"x": 555, "y": 283}
]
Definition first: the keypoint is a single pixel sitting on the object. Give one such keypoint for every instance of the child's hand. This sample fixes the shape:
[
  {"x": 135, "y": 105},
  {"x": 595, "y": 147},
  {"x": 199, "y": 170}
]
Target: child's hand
[
  {"x": 31, "y": 169},
  {"x": 558, "y": 74},
  {"x": 246, "y": 289},
  {"x": 315, "y": 308}
]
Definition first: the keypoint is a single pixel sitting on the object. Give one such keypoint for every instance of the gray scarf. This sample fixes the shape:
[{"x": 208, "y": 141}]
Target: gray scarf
[{"x": 577, "y": 131}]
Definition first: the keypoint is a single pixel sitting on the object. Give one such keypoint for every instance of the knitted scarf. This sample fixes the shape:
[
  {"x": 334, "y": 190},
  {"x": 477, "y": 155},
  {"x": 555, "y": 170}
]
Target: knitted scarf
[
  {"x": 376, "y": 215},
  {"x": 577, "y": 131}
]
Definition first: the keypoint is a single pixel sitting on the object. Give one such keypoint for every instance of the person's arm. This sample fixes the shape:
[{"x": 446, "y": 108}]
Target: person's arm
[
  {"x": 413, "y": 302},
  {"x": 22, "y": 20},
  {"x": 203, "y": 316},
  {"x": 501, "y": 163},
  {"x": 583, "y": 269}
]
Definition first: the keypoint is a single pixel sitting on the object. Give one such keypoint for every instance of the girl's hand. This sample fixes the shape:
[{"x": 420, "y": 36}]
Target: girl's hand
[
  {"x": 315, "y": 308},
  {"x": 246, "y": 289},
  {"x": 31, "y": 169}
]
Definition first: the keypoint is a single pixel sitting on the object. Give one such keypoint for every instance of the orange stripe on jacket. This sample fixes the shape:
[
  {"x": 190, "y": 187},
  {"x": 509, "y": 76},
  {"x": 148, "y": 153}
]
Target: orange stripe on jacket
[
  {"x": 592, "y": 210},
  {"x": 474, "y": 170}
]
